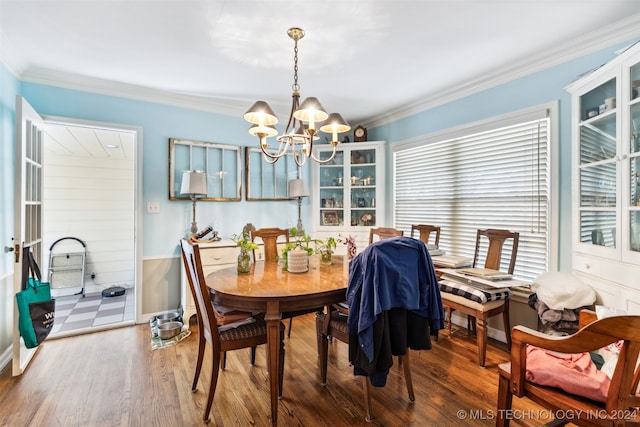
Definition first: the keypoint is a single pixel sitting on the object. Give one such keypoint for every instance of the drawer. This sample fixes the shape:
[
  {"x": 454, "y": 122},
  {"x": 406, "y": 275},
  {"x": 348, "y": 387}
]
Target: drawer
[{"x": 217, "y": 256}]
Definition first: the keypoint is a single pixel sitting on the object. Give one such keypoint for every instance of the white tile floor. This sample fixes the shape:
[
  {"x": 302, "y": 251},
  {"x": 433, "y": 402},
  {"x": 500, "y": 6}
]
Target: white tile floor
[{"x": 75, "y": 312}]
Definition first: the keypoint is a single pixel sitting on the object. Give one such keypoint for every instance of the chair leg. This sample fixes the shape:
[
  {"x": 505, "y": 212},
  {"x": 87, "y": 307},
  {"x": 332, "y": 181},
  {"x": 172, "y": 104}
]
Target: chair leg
[
  {"x": 224, "y": 360},
  {"x": 481, "y": 337},
  {"x": 212, "y": 387},
  {"x": 504, "y": 401},
  {"x": 507, "y": 324},
  {"x": 367, "y": 398},
  {"x": 253, "y": 356},
  {"x": 289, "y": 330},
  {"x": 201, "y": 345},
  {"x": 407, "y": 376}
]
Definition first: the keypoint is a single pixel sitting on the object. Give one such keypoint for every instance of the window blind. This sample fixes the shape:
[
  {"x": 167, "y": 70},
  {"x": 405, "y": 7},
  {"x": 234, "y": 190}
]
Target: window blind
[{"x": 497, "y": 178}]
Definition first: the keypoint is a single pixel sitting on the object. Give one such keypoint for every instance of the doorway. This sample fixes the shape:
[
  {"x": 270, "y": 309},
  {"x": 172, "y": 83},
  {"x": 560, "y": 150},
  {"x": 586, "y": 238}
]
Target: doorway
[{"x": 91, "y": 190}]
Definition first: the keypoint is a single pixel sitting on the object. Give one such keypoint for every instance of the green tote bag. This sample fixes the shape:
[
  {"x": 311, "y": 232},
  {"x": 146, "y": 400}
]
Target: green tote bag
[{"x": 36, "y": 308}]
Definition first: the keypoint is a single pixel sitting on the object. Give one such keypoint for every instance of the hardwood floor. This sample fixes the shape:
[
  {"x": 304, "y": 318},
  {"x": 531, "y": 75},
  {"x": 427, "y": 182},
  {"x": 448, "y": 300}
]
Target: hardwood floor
[{"x": 114, "y": 378}]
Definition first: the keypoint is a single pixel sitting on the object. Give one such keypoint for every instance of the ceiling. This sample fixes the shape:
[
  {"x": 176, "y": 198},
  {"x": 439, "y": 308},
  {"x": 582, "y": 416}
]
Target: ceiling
[
  {"x": 367, "y": 59},
  {"x": 87, "y": 141}
]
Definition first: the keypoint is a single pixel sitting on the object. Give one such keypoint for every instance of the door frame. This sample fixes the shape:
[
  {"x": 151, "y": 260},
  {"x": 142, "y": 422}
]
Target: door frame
[{"x": 138, "y": 191}]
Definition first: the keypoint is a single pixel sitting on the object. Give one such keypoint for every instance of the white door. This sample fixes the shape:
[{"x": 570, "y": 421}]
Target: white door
[{"x": 28, "y": 210}]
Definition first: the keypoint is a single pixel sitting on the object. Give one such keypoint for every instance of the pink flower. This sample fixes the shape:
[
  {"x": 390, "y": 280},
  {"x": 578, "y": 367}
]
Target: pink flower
[{"x": 349, "y": 240}]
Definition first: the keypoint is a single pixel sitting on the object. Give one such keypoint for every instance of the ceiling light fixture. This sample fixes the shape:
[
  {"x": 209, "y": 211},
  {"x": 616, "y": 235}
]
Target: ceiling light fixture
[{"x": 297, "y": 138}]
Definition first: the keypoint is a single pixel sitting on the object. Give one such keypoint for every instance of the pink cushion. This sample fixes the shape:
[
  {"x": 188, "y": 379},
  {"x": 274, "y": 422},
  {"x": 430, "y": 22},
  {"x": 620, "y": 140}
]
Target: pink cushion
[{"x": 573, "y": 373}]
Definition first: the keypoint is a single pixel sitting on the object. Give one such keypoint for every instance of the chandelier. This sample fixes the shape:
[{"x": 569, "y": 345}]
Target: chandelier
[{"x": 304, "y": 121}]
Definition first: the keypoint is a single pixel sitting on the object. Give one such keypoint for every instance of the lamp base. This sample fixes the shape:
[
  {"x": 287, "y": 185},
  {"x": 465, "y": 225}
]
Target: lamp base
[
  {"x": 299, "y": 226},
  {"x": 194, "y": 226}
]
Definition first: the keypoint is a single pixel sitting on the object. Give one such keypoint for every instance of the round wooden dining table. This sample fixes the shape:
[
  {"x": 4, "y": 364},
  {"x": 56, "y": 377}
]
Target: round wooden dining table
[{"x": 270, "y": 290}]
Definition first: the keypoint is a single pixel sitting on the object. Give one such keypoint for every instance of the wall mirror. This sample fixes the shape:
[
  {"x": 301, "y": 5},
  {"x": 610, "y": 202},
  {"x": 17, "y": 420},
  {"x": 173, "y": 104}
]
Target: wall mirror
[
  {"x": 267, "y": 181},
  {"x": 221, "y": 162}
]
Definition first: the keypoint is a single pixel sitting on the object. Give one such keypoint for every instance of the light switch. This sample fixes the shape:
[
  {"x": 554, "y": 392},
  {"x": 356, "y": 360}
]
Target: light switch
[{"x": 153, "y": 207}]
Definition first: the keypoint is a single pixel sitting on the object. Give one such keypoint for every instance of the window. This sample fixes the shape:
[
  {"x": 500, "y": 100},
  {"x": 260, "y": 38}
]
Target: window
[
  {"x": 495, "y": 174},
  {"x": 221, "y": 162}
]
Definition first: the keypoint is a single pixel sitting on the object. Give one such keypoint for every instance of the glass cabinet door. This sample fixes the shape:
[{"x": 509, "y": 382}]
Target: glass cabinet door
[
  {"x": 598, "y": 166},
  {"x": 362, "y": 177},
  {"x": 634, "y": 159},
  {"x": 332, "y": 189}
]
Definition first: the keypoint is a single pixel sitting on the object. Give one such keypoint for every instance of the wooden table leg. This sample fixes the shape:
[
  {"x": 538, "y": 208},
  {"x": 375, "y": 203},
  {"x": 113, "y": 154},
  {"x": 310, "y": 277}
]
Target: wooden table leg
[{"x": 273, "y": 317}]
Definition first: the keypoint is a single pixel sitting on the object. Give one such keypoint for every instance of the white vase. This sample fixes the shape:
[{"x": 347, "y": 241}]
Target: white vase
[{"x": 298, "y": 261}]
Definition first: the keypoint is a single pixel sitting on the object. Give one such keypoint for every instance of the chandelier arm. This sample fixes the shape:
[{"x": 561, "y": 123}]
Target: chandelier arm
[
  {"x": 326, "y": 160},
  {"x": 295, "y": 104},
  {"x": 268, "y": 159},
  {"x": 272, "y": 156},
  {"x": 299, "y": 158}
]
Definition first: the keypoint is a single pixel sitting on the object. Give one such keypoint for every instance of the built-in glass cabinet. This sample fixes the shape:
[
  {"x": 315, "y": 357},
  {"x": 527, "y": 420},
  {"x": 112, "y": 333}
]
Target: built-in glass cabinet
[
  {"x": 347, "y": 189},
  {"x": 606, "y": 167}
]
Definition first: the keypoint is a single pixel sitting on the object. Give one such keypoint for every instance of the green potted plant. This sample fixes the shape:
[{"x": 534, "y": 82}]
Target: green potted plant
[
  {"x": 246, "y": 245},
  {"x": 326, "y": 249},
  {"x": 301, "y": 241}
]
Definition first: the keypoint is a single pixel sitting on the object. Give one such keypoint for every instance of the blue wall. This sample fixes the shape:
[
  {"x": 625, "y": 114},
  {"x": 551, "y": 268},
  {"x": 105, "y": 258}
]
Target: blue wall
[
  {"x": 536, "y": 89},
  {"x": 159, "y": 123}
]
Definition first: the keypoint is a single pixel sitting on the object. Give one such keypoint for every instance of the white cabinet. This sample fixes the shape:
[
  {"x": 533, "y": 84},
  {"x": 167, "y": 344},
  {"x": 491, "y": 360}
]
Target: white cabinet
[
  {"x": 347, "y": 193},
  {"x": 214, "y": 256},
  {"x": 606, "y": 179}
]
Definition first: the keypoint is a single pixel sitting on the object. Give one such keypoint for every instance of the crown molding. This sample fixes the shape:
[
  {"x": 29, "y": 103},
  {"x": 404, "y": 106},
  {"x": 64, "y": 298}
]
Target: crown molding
[
  {"x": 129, "y": 91},
  {"x": 620, "y": 32}
]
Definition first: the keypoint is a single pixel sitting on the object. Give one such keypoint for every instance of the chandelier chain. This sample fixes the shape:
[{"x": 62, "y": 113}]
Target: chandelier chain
[{"x": 296, "y": 86}]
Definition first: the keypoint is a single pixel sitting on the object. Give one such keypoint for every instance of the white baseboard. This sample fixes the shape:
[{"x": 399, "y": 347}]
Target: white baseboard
[
  {"x": 497, "y": 334},
  {"x": 6, "y": 357}
]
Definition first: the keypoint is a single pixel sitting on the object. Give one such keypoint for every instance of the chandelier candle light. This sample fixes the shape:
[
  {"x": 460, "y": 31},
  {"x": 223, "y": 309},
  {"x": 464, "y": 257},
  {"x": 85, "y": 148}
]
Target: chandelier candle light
[{"x": 297, "y": 138}]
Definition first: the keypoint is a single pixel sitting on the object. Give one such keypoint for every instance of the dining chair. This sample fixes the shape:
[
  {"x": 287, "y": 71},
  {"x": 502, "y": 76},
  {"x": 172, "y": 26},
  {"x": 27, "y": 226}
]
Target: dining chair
[
  {"x": 410, "y": 330},
  {"x": 247, "y": 335},
  {"x": 483, "y": 311},
  {"x": 590, "y": 402},
  {"x": 384, "y": 233},
  {"x": 425, "y": 233},
  {"x": 269, "y": 237}
]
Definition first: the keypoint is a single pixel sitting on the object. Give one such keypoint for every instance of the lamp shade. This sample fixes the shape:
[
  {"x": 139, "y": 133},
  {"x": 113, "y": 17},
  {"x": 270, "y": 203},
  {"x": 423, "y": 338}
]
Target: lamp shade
[
  {"x": 194, "y": 182},
  {"x": 261, "y": 114},
  {"x": 297, "y": 188},
  {"x": 311, "y": 110}
]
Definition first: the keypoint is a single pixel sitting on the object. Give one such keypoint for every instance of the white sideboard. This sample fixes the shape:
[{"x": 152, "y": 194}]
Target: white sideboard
[{"x": 214, "y": 256}]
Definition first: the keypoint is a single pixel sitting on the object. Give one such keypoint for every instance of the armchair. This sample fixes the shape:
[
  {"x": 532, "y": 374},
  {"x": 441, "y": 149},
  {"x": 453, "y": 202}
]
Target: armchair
[{"x": 621, "y": 395}]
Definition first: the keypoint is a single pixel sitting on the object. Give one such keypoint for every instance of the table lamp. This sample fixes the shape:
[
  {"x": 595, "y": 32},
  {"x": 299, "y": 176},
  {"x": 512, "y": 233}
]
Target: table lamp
[
  {"x": 298, "y": 190},
  {"x": 194, "y": 183}
]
